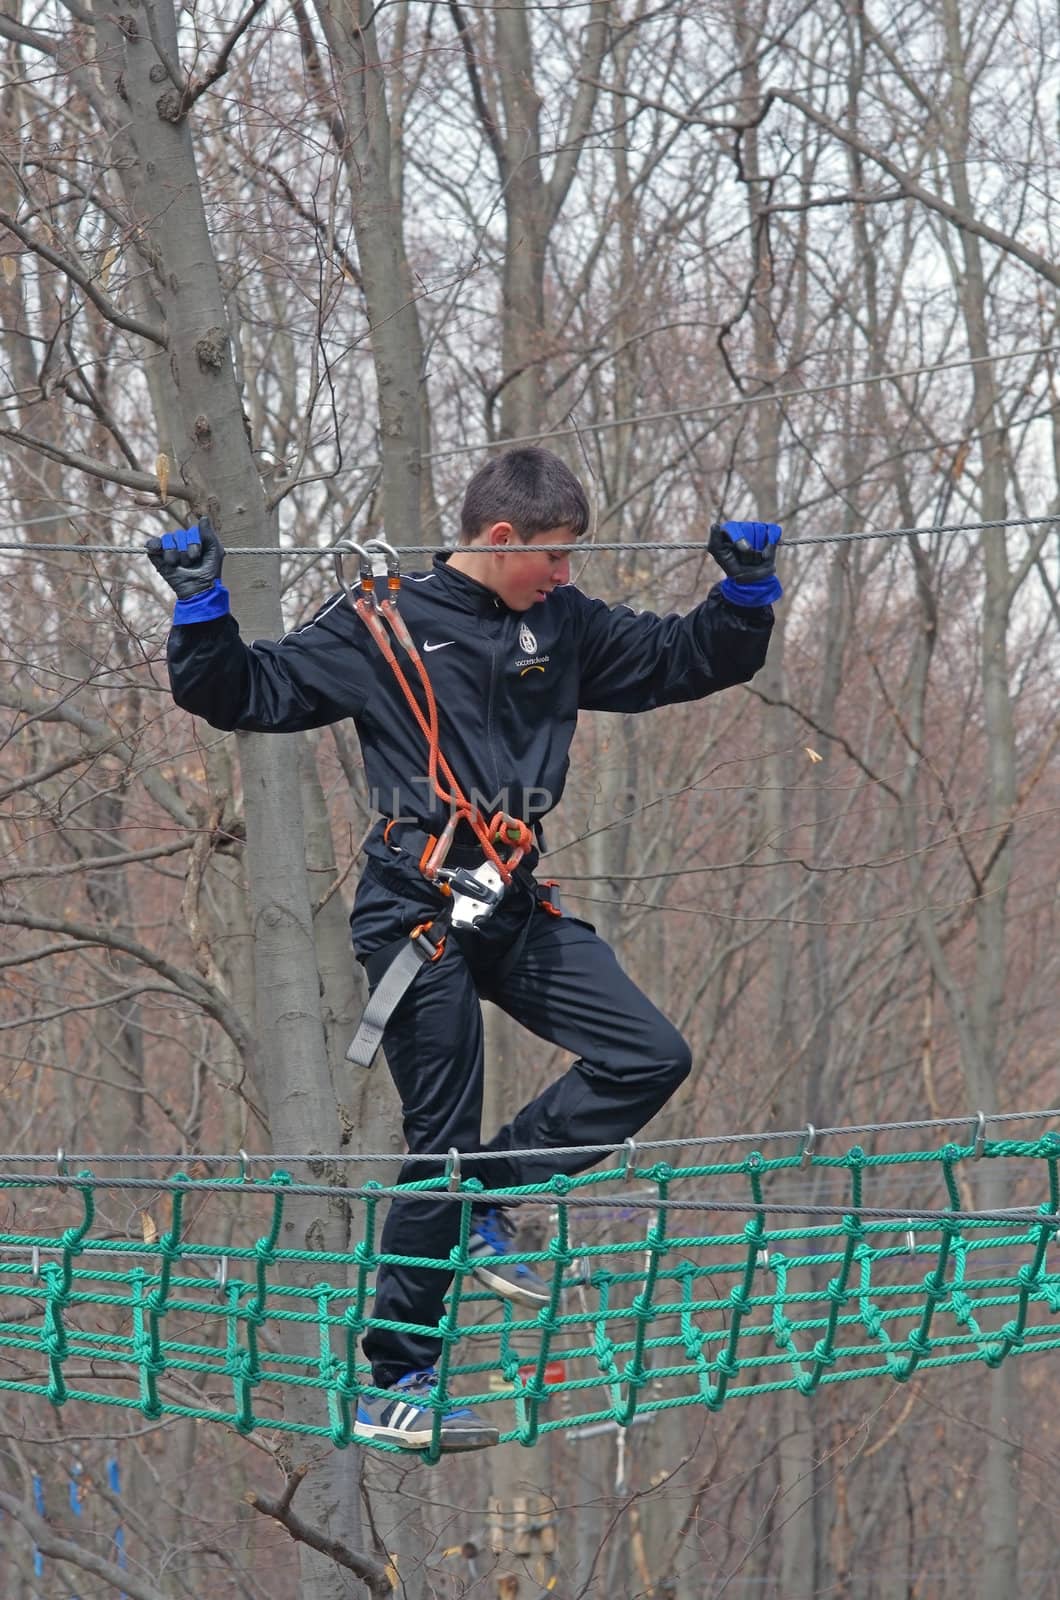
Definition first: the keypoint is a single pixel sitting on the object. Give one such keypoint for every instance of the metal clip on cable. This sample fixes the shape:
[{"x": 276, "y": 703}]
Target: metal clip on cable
[
  {"x": 350, "y": 547},
  {"x": 381, "y": 547},
  {"x": 980, "y": 1136}
]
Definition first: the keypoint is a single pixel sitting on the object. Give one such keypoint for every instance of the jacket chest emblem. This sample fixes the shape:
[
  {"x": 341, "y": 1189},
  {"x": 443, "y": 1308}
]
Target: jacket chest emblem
[{"x": 528, "y": 659}]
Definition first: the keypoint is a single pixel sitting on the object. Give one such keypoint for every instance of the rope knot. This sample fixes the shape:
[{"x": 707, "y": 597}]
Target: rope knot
[
  {"x": 53, "y": 1341},
  {"x": 873, "y": 1321},
  {"x": 153, "y": 1366}
]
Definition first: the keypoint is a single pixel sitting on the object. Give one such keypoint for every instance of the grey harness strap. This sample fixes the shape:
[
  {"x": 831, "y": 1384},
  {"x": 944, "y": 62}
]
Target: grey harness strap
[{"x": 416, "y": 951}]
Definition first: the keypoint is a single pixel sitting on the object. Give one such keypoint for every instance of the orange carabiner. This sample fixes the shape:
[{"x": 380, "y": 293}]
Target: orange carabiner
[
  {"x": 514, "y": 832},
  {"x": 417, "y": 934}
]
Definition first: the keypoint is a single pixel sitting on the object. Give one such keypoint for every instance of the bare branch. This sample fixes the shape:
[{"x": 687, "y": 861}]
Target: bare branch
[
  {"x": 99, "y": 863},
  {"x": 375, "y": 1576},
  {"x": 19, "y": 34},
  {"x": 916, "y": 191},
  {"x": 581, "y": 113},
  {"x": 332, "y": 245},
  {"x": 478, "y": 94},
  {"x": 171, "y": 63},
  {"x": 204, "y": 994},
  {"x": 104, "y": 740},
  {"x": 43, "y": 951},
  {"x": 220, "y": 66},
  {"x": 143, "y": 482},
  {"x": 103, "y": 304},
  {"x": 124, "y": 1580}
]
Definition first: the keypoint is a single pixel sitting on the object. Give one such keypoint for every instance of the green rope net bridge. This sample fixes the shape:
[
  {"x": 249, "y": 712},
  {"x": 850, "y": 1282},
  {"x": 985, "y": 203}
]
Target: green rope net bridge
[{"x": 671, "y": 1285}]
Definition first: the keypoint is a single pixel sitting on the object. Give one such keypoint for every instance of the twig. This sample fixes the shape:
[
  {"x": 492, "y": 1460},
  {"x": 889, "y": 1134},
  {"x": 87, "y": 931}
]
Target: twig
[
  {"x": 220, "y": 66},
  {"x": 51, "y": 1544}
]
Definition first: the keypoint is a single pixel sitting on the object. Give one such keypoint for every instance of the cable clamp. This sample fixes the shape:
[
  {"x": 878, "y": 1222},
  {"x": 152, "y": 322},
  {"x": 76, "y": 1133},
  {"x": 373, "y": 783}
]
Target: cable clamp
[
  {"x": 244, "y": 1162},
  {"x": 631, "y": 1161},
  {"x": 910, "y": 1239},
  {"x": 220, "y": 1277},
  {"x": 452, "y": 1168},
  {"x": 808, "y": 1144},
  {"x": 60, "y": 1164},
  {"x": 34, "y": 1263},
  {"x": 980, "y": 1135}
]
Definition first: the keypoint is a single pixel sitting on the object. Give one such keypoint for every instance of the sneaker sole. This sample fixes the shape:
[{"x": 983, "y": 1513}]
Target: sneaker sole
[
  {"x": 508, "y": 1290},
  {"x": 420, "y": 1438}
]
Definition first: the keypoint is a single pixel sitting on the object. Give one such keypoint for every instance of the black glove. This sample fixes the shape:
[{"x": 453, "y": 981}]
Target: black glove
[
  {"x": 190, "y": 560},
  {"x": 746, "y": 553}
]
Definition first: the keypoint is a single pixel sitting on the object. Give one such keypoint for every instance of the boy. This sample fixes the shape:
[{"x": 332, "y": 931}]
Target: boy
[{"x": 513, "y": 652}]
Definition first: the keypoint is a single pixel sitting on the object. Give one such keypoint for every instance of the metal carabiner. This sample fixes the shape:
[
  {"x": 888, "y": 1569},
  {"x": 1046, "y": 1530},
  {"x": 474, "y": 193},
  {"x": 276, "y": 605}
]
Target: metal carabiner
[
  {"x": 380, "y": 546},
  {"x": 351, "y": 547}
]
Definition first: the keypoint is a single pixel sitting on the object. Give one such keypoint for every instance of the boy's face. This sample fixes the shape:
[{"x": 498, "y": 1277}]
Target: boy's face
[{"x": 529, "y": 574}]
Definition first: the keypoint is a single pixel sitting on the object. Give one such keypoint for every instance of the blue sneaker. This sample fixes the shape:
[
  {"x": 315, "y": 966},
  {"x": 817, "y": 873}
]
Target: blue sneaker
[
  {"x": 490, "y": 1244},
  {"x": 403, "y": 1416}
]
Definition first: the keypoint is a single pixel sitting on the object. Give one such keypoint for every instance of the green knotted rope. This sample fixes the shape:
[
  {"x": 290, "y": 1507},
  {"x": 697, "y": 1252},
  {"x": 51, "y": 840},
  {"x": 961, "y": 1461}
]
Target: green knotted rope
[{"x": 643, "y": 1314}]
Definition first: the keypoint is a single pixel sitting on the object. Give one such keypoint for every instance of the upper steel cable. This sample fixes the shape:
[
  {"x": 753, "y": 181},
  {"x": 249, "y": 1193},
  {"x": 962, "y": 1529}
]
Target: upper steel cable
[{"x": 303, "y": 552}]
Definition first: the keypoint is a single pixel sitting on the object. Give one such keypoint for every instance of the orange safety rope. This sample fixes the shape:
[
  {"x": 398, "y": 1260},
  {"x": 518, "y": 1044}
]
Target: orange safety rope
[{"x": 369, "y": 609}]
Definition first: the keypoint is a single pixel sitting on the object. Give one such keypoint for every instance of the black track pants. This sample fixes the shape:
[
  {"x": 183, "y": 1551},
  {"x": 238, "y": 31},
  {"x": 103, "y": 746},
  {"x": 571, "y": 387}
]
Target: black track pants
[{"x": 565, "y": 986}]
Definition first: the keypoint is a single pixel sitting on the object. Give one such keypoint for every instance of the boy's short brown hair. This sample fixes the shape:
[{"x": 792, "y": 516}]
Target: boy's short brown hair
[{"x": 529, "y": 487}]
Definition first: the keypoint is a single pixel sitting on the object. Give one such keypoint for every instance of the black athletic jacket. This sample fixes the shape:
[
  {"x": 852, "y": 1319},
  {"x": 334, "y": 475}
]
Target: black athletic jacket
[{"x": 509, "y": 685}]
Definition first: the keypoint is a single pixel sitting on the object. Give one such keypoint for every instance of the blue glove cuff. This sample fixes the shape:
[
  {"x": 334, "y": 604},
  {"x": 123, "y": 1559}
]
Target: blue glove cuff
[
  {"x": 213, "y": 602},
  {"x": 763, "y": 592}
]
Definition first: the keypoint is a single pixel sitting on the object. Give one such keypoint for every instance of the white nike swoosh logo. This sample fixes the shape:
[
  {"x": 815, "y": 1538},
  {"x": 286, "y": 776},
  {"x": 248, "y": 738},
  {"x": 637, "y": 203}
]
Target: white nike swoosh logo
[{"x": 441, "y": 646}]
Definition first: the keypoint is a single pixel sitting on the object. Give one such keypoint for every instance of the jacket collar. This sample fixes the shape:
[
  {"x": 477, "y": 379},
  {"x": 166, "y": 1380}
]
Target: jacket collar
[{"x": 467, "y": 593}]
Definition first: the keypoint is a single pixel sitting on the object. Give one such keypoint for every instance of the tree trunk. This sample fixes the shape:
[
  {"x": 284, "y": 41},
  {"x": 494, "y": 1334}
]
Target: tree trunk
[
  {"x": 1000, "y": 1574},
  {"x": 397, "y": 343},
  {"x": 203, "y": 411}
]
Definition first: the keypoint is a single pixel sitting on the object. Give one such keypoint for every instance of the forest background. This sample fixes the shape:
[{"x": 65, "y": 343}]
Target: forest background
[{"x": 300, "y": 266}]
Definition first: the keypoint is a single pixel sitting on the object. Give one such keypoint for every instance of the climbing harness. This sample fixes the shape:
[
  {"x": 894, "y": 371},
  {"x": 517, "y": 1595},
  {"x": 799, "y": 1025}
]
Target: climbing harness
[{"x": 471, "y": 894}]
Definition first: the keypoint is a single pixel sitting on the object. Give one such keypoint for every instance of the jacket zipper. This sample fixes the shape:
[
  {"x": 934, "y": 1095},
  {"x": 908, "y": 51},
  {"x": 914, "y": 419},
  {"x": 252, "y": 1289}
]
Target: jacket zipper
[{"x": 489, "y": 721}]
